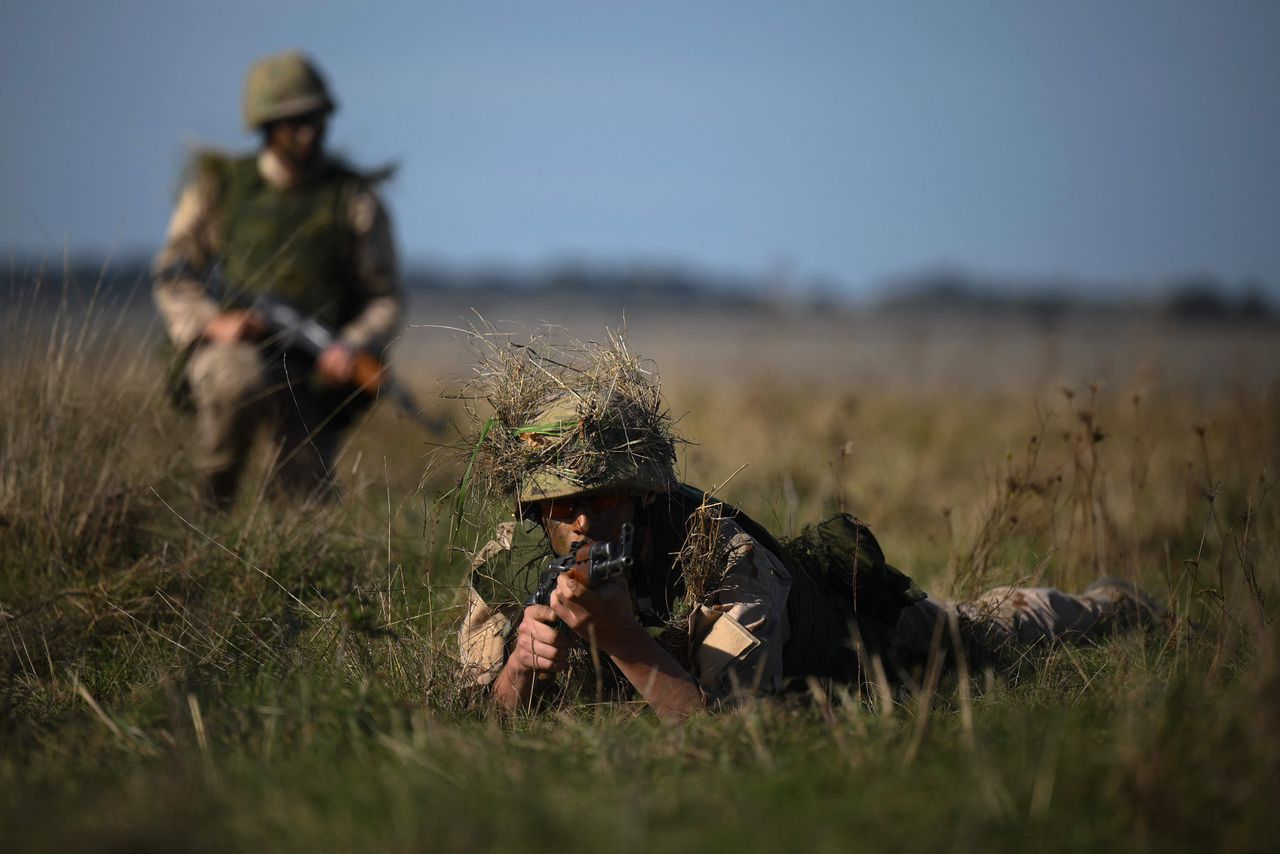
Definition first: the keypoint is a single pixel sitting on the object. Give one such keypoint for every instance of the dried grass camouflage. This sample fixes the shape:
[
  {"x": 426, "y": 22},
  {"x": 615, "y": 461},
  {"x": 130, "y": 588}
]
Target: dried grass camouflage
[{"x": 554, "y": 419}]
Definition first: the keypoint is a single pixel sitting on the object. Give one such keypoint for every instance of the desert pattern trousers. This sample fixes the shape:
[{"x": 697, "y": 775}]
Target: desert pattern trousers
[
  {"x": 238, "y": 397},
  {"x": 1003, "y": 624}
]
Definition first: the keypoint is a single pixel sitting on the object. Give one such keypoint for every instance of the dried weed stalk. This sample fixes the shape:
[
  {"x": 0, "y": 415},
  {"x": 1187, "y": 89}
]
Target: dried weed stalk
[{"x": 704, "y": 556}]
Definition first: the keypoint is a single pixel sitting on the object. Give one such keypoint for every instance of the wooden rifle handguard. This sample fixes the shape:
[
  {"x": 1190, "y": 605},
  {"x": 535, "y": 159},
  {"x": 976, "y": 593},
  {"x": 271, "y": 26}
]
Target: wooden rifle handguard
[{"x": 367, "y": 372}]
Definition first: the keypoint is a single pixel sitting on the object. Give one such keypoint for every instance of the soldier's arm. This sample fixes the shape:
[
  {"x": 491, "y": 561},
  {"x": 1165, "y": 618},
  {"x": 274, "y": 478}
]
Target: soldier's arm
[
  {"x": 738, "y": 631},
  {"x": 604, "y": 616},
  {"x": 377, "y": 276},
  {"x": 541, "y": 646},
  {"x": 669, "y": 689},
  {"x": 502, "y": 644},
  {"x": 181, "y": 265},
  {"x": 488, "y": 620}
]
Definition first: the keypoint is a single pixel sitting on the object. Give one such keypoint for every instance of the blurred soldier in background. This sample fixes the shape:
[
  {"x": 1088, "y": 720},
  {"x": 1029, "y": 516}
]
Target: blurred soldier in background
[{"x": 293, "y": 226}]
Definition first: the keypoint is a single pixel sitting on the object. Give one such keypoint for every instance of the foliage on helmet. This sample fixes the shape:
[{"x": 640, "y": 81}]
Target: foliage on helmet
[{"x": 554, "y": 420}]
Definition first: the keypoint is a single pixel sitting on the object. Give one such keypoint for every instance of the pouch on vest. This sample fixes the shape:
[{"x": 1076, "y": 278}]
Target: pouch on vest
[
  {"x": 843, "y": 551},
  {"x": 843, "y": 584}
]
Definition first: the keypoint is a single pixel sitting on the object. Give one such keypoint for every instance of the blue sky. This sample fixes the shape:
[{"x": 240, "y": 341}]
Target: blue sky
[{"x": 847, "y": 141}]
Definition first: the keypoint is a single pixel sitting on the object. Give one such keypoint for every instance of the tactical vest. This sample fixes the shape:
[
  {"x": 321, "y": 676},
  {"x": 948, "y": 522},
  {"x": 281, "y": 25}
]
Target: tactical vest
[
  {"x": 840, "y": 584},
  {"x": 294, "y": 244}
]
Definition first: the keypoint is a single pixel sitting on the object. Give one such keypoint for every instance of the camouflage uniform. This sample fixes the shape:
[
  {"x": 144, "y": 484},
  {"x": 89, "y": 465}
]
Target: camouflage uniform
[
  {"x": 733, "y": 637},
  {"x": 741, "y": 611},
  {"x": 741, "y": 637},
  {"x": 998, "y": 628},
  {"x": 320, "y": 241}
]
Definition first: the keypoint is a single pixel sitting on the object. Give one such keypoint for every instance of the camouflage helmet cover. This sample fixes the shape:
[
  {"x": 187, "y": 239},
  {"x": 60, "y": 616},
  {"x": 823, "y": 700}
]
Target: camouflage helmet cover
[
  {"x": 577, "y": 452},
  {"x": 568, "y": 418},
  {"x": 284, "y": 85}
]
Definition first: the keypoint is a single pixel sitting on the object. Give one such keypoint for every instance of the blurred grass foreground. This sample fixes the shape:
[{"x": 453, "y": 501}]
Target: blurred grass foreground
[{"x": 280, "y": 678}]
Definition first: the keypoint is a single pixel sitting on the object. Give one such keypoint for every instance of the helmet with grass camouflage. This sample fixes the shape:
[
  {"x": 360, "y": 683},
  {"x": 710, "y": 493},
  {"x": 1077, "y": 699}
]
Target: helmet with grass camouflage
[
  {"x": 571, "y": 418},
  {"x": 281, "y": 86},
  {"x": 571, "y": 450}
]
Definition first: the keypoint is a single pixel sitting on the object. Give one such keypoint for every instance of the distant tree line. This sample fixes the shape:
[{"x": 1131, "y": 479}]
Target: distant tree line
[
  {"x": 1186, "y": 299},
  {"x": 1198, "y": 298}
]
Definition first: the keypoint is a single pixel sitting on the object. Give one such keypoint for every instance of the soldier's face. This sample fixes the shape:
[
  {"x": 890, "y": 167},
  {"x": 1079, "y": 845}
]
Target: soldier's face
[
  {"x": 594, "y": 518},
  {"x": 299, "y": 139}
]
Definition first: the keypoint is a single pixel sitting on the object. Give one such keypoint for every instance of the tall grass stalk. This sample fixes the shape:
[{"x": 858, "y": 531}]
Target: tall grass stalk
[{"x": 282, "y": 676}]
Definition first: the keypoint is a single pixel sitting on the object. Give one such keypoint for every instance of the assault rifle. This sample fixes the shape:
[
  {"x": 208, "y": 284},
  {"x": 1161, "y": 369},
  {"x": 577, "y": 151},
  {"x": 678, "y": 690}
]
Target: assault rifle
[
  {"x": 290, "y": 329},
  {"x": 605, "y": 560}
]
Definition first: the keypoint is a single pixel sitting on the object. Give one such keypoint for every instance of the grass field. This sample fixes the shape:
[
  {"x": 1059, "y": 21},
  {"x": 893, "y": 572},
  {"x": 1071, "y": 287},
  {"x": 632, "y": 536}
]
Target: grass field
[{"x": 281, "y": 678}]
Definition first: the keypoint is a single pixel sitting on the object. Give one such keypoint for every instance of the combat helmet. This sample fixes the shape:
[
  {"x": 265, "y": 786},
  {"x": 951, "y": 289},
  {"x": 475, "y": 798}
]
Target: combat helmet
[
  {"x": 573, "y": 420},
  {"x": 572, "y": 450},
  {"x": 284, "y": 85}
]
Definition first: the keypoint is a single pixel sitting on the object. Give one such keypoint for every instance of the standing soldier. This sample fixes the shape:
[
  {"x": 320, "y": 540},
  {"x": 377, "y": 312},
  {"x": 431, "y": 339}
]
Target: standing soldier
[{"x": 287, "y": 225}]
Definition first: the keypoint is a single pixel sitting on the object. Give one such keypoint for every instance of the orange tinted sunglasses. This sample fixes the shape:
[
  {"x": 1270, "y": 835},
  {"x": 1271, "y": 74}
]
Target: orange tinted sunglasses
[{"x": 565, "y": 509}]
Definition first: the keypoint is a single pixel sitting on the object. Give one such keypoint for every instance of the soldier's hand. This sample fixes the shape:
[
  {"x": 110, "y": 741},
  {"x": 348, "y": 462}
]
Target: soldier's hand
[
  {"x": 540, "y": 645},
  {"x": 336, "y": 364},
  {"x": 601, "y": 615},
  {"x": 236, "y": 325}
]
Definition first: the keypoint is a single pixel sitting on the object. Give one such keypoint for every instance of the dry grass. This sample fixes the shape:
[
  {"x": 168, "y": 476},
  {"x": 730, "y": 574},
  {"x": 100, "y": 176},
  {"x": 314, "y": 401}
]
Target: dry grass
[{"x": 281, "y": 677}]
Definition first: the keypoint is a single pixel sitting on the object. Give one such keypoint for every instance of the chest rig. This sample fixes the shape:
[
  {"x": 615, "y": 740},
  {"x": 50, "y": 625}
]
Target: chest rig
[{"x": 294, "y": 244}]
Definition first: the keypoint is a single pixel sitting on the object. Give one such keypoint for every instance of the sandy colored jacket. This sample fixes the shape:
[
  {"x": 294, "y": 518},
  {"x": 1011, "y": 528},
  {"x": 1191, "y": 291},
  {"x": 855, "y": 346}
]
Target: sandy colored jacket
[
  {"x": 193, "y": 244},
  {"x": 736, "y": 633},
  {"x": 733, "y": 636}
]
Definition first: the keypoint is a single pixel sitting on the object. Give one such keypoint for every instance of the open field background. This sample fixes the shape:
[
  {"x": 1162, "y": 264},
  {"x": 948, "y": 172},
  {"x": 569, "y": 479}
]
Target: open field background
[{"x": 281, "y": 677}]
